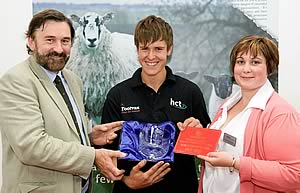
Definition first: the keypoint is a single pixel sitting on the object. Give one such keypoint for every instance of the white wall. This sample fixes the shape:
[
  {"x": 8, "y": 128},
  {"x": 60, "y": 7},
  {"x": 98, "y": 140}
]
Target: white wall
[
  {"x": 15, "y": 17},
  {"x": 289, "y": 42},
  {"x": 16, "y": 14}
]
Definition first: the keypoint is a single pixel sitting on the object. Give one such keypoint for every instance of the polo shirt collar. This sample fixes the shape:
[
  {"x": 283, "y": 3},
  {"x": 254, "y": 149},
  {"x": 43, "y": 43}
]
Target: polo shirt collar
[{"x": 136, "y": 79}]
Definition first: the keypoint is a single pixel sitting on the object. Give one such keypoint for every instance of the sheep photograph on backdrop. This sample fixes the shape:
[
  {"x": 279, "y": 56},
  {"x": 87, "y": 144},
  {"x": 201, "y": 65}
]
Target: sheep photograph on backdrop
[
  {"x": 104, "y": 54},
  {"x": 101, "y": 58}
]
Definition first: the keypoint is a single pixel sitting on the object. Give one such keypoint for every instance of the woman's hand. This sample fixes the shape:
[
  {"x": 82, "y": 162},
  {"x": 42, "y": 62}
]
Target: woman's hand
[{"x": 218, "y": 159}]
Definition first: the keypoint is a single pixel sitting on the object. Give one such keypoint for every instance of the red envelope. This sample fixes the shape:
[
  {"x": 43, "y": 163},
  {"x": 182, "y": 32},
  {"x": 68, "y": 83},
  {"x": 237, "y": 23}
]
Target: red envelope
[{"x": 197, "y": 141}]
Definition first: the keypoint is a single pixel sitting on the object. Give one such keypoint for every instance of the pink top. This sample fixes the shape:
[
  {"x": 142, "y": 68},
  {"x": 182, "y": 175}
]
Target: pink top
[{"x": 271, "y": 155}]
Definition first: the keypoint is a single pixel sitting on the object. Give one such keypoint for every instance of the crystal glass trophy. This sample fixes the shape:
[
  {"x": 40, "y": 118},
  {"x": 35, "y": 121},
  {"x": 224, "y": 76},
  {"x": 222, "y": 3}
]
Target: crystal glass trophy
[{"x": 153, "y": 142}]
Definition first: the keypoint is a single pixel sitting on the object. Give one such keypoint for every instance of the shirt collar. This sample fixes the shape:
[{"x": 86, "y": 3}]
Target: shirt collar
[
  {"x": 136, "y": 79},
  {"x": 52, "y": 75},
  {"x": 259, "y": 100}
]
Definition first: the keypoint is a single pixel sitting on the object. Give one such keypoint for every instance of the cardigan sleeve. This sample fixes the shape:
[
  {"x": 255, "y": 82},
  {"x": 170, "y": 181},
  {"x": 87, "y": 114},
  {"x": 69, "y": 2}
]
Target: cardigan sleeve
[{"x": 274, "y": 160}]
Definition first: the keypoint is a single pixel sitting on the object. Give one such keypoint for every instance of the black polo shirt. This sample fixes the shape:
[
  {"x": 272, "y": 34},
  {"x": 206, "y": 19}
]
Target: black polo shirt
[{"x": 176, "y": 100}]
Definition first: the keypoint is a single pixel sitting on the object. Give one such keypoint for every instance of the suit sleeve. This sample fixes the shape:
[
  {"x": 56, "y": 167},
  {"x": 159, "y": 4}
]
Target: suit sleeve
[{"x": 22, "y": 124}]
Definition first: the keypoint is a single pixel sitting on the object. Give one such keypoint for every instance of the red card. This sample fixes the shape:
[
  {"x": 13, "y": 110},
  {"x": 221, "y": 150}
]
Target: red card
[{"x": 197, "y": 141}]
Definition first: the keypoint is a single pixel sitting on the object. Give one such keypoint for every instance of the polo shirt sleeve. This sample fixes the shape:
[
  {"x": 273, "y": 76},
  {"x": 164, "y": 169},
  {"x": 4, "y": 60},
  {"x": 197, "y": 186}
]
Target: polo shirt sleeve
[
  {"x": 111, "y": 112},
  {"x": 199, "y": 107}
]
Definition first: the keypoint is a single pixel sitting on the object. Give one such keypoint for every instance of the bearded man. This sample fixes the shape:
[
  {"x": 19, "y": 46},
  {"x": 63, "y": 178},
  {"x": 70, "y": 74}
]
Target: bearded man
[{"x": 45, "y": 136}]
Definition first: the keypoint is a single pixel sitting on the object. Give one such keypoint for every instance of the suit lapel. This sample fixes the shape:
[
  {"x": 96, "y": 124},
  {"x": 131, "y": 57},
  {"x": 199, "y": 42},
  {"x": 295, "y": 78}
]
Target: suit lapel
[
  {"x": 52, "y": 91},
  {"x": 76, "y": 91}
]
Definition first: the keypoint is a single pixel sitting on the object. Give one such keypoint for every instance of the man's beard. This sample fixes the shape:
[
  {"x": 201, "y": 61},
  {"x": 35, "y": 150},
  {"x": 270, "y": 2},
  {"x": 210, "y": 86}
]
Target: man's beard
[{"x": 50, "y": 63}]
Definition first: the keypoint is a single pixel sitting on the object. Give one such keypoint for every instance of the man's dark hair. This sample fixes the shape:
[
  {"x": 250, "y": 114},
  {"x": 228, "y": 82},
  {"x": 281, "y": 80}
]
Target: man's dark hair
[{"x": 41, "y": 18}]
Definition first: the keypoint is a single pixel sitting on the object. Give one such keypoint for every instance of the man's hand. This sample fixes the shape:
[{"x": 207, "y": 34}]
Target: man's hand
[
  {"x": 190, "y": 122},
  {"x": 138, "y": 179},
  {"x": 106, "y": 162},
  {"x": 105, "y": 133}
]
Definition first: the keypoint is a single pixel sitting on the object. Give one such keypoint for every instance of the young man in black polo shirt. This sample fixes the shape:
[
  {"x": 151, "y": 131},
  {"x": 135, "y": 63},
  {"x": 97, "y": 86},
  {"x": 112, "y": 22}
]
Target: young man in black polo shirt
[{"x": 154, "y": 95}]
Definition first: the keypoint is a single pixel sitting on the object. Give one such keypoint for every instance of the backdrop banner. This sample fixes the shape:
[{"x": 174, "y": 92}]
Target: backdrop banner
[{"x": 204, "y": 33}]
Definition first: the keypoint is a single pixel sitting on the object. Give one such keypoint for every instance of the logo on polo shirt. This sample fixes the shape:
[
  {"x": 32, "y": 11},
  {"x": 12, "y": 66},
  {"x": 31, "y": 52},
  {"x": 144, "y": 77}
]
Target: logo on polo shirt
[
  {"x": 177, "y": 104},
  {"x": 130, "y": 109}
]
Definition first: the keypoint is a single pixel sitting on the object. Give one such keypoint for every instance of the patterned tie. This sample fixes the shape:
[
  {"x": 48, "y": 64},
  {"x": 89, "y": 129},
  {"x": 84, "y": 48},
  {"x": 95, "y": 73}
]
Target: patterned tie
[{"x": 59, "y": 85}]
